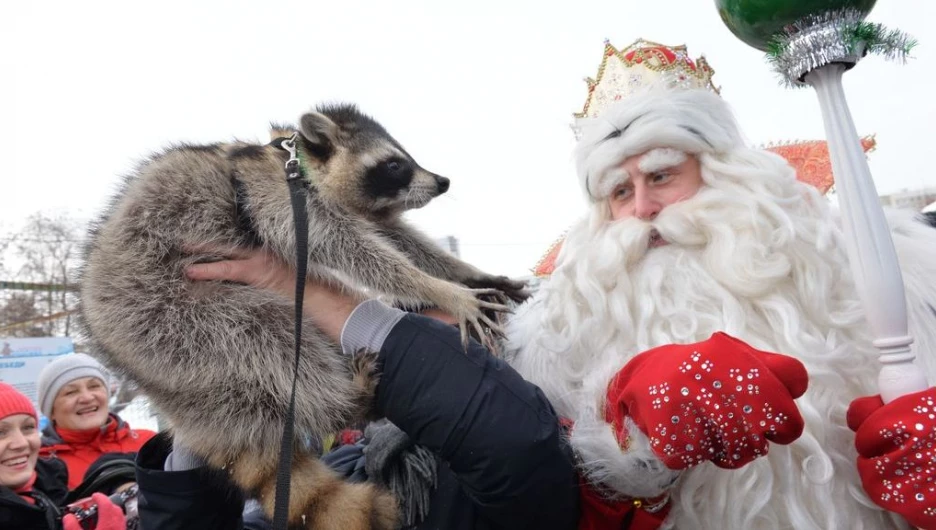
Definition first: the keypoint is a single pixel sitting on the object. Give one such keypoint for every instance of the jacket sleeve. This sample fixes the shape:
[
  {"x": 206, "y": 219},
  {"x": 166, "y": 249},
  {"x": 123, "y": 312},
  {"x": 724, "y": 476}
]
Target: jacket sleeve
[
  {"x": 195, "y": 498},
  {"x": 497, "y": 432}
]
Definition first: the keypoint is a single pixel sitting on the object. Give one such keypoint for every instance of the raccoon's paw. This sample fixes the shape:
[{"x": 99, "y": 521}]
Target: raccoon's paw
[
  {"x": 513, "y": 289},
  {"x": 468, "y": 310}
]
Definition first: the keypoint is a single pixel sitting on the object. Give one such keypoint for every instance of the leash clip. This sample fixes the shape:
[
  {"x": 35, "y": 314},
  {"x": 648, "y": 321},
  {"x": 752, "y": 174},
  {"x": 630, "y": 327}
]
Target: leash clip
[{"x": 292, "y": 165}]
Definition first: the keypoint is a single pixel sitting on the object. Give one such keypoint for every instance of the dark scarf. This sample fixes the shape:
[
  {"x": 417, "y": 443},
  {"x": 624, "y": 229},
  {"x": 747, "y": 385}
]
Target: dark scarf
[{"x": 388, "y": 457}]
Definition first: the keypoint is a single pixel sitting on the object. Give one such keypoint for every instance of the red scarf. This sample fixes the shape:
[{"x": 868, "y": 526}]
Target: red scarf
[
  {"x": 599, "y": 513},
  {"x": 26, "y": 488},
  {"x": 108, "y": 432}
]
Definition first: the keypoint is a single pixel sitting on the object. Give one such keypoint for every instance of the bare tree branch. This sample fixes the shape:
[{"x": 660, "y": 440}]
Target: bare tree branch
[{"x": 45, "y": 251}]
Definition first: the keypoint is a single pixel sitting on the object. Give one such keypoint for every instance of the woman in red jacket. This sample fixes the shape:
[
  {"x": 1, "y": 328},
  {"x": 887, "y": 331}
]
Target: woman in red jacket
[
  {"x": 73, "y": 394},
  {"x": 32, "y": 489}
]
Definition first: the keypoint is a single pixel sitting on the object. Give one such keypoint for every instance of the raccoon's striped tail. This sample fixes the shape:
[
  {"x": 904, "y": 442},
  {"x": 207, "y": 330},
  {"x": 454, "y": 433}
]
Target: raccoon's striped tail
[{"x": 320, "y": 499}]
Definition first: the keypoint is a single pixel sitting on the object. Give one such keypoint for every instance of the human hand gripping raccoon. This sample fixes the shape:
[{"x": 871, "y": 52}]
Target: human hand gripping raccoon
[{"x": 216, "y": 358}]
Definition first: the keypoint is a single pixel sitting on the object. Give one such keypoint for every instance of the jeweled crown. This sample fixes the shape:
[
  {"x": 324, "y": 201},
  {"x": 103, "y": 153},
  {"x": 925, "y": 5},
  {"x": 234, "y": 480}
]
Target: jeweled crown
[{"x": 643, "y": 63}]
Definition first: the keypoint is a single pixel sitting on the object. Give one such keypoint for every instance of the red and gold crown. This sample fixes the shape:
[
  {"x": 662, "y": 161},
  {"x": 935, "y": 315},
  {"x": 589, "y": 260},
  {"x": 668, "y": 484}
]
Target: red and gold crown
[{"x": 643, "y": 63}]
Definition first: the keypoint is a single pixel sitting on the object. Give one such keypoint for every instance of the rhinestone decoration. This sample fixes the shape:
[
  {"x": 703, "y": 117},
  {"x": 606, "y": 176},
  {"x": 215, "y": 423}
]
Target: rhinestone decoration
[
  {"x": 628, "y": 70},
  {"x": 905, "y": 472},
  {"x": 722, "y": 423}
]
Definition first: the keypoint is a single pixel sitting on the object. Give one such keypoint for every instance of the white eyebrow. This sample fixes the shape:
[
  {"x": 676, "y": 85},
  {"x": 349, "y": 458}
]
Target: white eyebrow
[
  {"x": 660, "y": 159},
  {"x": 612, "y": 178}
]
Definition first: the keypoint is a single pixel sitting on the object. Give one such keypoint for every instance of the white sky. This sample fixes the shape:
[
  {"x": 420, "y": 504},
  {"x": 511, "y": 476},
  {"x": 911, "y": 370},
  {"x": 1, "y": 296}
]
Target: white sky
[{"x": 481, "y": 92}]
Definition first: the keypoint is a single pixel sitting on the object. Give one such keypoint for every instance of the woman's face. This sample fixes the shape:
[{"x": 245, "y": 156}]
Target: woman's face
[
  {"x": 81, "y": 405},
  {"x": 19, "y": 449}
]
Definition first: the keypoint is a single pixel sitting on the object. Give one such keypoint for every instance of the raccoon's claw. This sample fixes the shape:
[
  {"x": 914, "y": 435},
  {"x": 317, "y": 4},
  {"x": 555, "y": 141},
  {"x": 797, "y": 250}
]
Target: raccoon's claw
[
  {"x": 491, "y": 345},
  {"x": 513, "y": 289},
  {"x": 493, "y": 327},
  {"x": 503, "y": 298},
  {"x": 486, "y": 291},
  {"x": 520, "y": 295},
  {"x": 485, "y": 339},
  {"x": 465, "y": 336},
  {"x": 500, "y": 308},
  {"x": 479, "y": 330},
  {"x": 480, "y": 294},
  {"x": 479, "y": 314}
]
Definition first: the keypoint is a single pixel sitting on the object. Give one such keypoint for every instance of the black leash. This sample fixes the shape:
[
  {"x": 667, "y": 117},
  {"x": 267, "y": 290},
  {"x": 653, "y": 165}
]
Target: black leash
[{"x": 298, "y": 192}]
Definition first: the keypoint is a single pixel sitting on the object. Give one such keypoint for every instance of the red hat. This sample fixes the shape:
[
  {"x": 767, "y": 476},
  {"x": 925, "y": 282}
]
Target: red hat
[{"x": 12, "y": 401}]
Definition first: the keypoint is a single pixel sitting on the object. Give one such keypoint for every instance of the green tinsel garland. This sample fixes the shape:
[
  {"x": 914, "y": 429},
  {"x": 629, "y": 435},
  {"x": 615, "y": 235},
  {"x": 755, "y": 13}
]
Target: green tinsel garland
[{"x": 834, "y": 36}]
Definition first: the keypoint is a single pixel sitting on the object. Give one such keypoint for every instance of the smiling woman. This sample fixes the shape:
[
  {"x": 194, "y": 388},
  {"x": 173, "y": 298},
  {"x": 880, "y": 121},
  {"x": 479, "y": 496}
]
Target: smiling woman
[
  {"x": 29, "y": 486},
  {"x": 73, "y": 394}
]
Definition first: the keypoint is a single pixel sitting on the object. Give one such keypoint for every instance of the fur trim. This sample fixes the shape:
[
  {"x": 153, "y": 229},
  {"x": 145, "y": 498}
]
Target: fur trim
[
  {"x": 693, "y": 121},
  {"x": 632, "y": 472}
]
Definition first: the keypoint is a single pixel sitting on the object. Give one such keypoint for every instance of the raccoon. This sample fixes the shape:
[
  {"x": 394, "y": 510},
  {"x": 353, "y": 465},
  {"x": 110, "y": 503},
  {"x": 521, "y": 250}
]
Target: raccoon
[
  {"x": 216, "y": 358},
  {"x": 380, "y": 184}
]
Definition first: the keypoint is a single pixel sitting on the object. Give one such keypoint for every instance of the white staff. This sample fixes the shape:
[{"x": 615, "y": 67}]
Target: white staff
[{"x": 816, "y": 49}]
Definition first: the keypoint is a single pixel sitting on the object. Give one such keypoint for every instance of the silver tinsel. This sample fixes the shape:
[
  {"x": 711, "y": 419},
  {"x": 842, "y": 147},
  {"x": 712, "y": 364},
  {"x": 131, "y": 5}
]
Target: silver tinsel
[{"x": 839, "y": 36}]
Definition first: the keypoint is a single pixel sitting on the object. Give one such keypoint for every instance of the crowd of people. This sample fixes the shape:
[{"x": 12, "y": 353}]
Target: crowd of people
[
  {"x": 85, "y": 455},
  {"x": 698, "y": 359}
]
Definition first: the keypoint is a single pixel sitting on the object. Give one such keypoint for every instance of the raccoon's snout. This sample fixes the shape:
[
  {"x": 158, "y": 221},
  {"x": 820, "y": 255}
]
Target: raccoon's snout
[{"x": 442, "y": 183}]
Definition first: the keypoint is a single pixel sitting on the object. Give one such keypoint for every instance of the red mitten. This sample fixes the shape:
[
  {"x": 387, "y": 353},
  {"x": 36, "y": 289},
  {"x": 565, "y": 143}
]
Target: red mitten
[
  {"x": 897, "y": 453},
  {"x": 109, "y": 515},
  {"x": 718, "y": 400}
]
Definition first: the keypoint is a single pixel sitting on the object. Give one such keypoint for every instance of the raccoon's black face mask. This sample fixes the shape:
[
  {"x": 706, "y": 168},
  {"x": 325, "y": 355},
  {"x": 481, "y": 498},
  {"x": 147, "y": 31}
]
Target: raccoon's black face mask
[
  {"x": 369, "y": 171},
  {"x": 398, "y": 183}
]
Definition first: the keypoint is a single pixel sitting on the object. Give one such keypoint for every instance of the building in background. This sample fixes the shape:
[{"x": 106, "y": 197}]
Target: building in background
[
  {"x": 449, "y": 243},
  {"x": 917, "y": 199}
]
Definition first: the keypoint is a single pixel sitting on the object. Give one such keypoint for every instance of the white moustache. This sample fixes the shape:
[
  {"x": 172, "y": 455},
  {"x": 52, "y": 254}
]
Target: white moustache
[{"x": 691, "y": 223}]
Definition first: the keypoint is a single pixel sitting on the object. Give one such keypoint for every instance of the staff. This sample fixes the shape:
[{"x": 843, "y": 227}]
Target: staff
[{"x": 812, "y": 42}]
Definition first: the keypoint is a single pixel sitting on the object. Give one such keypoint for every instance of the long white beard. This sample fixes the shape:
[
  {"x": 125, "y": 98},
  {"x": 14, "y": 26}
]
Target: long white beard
[{"x": 756, "y": 255}]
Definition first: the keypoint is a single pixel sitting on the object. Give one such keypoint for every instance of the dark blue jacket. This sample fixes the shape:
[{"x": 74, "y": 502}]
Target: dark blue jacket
[{"x": 506, "y": 465}]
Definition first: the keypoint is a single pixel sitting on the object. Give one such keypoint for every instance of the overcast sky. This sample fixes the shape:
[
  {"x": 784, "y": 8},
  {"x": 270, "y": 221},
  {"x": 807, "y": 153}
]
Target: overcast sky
[{"x": 481, "y": 92}]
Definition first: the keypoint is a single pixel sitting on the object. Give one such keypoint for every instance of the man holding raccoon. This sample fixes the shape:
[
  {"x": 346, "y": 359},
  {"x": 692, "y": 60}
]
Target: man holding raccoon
[{"x": 689, "y": 235}]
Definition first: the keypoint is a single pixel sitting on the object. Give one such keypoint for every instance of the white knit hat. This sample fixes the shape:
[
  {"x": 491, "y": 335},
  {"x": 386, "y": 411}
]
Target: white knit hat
[
  {"x": 647, "y": 96},
  {"x": 64, "y": 370},
  {"x": 690, "y": 120}
]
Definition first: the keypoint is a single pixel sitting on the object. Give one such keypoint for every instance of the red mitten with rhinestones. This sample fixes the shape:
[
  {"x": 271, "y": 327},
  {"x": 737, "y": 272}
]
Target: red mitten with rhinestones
[
  {"x": 718, "y": 400},
  {"x": 896, "y": 453}
]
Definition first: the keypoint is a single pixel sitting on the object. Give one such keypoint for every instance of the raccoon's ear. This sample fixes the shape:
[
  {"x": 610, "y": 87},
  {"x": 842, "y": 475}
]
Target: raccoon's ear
[{"x": 320, "y": 133}]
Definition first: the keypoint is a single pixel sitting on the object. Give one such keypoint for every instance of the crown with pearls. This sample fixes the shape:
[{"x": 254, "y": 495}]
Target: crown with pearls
[{"x": 629, "y": 70}]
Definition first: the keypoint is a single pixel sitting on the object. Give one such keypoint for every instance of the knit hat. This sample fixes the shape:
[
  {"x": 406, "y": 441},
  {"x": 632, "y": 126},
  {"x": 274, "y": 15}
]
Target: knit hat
[
  {"x": 64, "y": 370},
  {"x": 693, "y": 121},
  {"x": 647, "y": 96},
  {"x": 12, "y": 401}
]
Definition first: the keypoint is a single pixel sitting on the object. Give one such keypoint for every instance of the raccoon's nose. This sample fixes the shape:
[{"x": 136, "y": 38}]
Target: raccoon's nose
[{"x": 443, "y": 183}]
